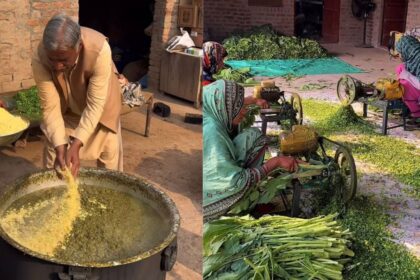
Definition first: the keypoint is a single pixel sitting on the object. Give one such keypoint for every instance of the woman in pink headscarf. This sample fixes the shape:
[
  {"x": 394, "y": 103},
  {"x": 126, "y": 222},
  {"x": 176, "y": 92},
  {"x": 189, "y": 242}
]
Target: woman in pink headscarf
[{"x": 213, "y": 55}]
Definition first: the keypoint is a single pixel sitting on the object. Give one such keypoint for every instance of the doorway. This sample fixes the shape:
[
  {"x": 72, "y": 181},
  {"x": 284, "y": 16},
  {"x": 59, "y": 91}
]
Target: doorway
[
  {"x": 124, "y": 23},
  {"x": 318, "y": 19},
  {"x": 308, "y": 19},
  {"x": 394, "y": 18},
  {"x": 331, "y": 22}
]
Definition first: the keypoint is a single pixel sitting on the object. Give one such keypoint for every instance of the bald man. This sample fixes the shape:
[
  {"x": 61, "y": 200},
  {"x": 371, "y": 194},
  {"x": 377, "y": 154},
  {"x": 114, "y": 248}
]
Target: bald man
[{"x": 80, "y": 96}]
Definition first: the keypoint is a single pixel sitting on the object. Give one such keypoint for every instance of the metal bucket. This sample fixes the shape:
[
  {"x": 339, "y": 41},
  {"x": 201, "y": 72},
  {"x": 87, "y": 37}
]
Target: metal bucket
[{"x": 24, "y": 264}]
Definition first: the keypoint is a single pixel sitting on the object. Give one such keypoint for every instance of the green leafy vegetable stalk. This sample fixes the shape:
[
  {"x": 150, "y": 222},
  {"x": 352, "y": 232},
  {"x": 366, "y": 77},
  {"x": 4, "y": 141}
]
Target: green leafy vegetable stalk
[
  {"x": 241, "y": 76},
  {"x": 275, "y": 247},
  {"x": 249, "y": 119}
]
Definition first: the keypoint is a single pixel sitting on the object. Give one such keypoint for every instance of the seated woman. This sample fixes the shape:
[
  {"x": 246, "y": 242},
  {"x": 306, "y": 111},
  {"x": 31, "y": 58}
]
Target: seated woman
[
  {"x": 232, "y": 163},
  {"x": 213, "y": 55},
  {"x": 409, "y": 74}
]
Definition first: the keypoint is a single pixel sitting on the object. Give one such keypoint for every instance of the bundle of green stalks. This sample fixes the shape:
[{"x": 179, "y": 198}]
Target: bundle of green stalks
[
  {"x": 241, "y": 76},
  {"x": 275, "y": 247}
]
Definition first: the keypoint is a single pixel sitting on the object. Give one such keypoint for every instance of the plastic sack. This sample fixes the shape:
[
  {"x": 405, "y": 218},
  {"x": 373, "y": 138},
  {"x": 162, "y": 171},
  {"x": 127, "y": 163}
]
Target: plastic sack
[
  {"x": 180, "y": 42},
  {"x": 391, "y": 89}
]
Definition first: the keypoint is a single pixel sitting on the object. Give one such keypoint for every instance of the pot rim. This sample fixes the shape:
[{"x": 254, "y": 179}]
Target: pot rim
[{"x": 175, "y": 219}]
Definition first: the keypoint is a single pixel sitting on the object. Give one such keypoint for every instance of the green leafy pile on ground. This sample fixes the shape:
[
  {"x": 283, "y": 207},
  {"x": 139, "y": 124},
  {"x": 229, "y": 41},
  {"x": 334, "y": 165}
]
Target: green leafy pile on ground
[
  {"x": 389, "y": 155},
  {"x": 263, "y": 42},
  {"x": 330, "y": 118},
  {"x": 28, "y": 105},
  {"x": 376, "y": 255}
]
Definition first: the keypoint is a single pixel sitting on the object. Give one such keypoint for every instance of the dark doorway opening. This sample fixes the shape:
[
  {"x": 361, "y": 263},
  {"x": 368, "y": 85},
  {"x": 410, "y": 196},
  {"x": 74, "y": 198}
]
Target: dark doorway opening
[
  {"x": 394, "y": 17},
  {"x": 308, "y": 18},
  {"x": 124, "y": 23},
  {"x": 318, "y": 20}
]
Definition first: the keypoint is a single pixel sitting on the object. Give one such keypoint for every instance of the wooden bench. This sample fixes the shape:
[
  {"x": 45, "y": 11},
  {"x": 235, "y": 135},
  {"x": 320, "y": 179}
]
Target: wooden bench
[{"x": 149, "y": 106}]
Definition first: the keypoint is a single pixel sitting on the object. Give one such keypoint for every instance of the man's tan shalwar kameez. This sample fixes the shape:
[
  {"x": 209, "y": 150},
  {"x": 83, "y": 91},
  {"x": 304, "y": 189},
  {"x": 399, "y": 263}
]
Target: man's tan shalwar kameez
[{"x": 83, "y": 102}]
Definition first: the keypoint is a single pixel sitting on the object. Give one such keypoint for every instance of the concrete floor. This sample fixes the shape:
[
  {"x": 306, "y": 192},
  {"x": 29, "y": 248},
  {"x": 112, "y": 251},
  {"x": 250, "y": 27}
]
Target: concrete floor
[{"x": 170, "y": 158}]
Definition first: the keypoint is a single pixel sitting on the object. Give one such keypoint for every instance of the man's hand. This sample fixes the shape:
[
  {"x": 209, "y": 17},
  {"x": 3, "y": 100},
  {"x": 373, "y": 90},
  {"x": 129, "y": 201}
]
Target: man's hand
[
  {"x": 60, "y": 158},
  {"x": 72, "y": 157}
]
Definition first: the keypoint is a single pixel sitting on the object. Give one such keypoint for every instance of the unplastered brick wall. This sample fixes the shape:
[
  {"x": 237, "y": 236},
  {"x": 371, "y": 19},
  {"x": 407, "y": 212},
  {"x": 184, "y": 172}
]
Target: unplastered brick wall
[
  {"x": 164, "y": 28},
  {"x": 413, "y": 14},
  {"x": 375, "y": 21},
  {"x": 21, "y": 25},
  {"x": 374, "y": 28},
  {"x": 221, "y": 17},
  {"x": 351, "y": 29}
]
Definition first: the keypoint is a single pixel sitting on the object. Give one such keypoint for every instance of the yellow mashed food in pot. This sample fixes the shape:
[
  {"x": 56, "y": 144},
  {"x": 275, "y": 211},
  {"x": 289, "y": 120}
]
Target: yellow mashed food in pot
[{"x": 44, "y": 226}]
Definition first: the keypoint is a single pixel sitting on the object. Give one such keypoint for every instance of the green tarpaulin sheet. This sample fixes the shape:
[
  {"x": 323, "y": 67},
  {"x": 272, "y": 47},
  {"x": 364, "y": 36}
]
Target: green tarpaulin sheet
[{"x": 297, "y": 67}]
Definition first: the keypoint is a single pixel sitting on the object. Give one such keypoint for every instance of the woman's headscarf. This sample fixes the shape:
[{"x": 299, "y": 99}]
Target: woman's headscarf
[
  {"x": 223, "y": 101},
  {"x": 213, "y": 55},
  {"x": 226, "y": 178},
  {"x": 409, "y": 48}
]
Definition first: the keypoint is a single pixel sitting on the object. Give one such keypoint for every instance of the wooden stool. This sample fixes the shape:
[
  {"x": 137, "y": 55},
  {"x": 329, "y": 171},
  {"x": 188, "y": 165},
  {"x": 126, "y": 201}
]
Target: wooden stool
[{"x": 148, "y": 96}]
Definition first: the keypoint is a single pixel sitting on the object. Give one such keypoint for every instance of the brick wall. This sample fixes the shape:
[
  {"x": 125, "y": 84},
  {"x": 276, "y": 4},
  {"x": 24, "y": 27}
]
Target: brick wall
[
  {"x": 221, "y": 17},
  {"x": 164, "y": 28},
  {"x": 375, "y": 22},
  {"x": 351, "y": 29},
  {"x": 21, "y": 26},
  {"x": 413, "y": 14},
  {"x": 349, "y": 33},
  {"x": 374, "y": 29},
  {"x": 22, "y": 23}
]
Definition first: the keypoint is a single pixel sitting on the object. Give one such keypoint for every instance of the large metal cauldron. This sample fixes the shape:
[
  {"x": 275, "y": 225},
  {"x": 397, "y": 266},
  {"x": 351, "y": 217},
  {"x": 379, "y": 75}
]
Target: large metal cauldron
[{"x": 20, "y": 263}]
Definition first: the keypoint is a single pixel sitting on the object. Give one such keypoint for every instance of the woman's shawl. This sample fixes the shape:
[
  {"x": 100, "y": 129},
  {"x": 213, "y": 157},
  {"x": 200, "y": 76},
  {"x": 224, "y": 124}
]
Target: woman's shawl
[{"x": 225, "y": 180}]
